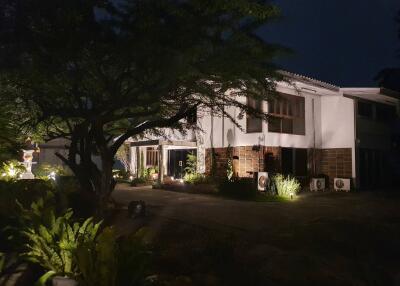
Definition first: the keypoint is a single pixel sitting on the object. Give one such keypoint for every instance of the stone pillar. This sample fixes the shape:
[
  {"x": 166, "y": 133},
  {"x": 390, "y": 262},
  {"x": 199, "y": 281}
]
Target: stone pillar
[{"x": 160, "y": 164}]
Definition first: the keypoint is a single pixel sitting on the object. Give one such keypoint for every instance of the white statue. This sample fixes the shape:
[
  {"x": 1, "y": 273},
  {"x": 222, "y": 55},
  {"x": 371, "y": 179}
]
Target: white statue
[{"x": 28, "y": 156}]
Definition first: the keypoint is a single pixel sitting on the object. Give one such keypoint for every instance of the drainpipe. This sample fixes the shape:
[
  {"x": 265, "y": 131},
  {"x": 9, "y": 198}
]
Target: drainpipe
[{"x": 313, "y": 118}]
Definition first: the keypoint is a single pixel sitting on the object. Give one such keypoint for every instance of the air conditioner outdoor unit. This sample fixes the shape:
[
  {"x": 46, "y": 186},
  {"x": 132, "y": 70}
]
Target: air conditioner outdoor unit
[
  {"x": 317, "y": 184},
  {"x": 341, "y": 184},
  {"x": 262, "y": 179}
]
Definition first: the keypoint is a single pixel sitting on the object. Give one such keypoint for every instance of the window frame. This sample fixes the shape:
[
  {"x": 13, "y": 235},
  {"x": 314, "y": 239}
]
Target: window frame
[{"x": 293, "y": 103}]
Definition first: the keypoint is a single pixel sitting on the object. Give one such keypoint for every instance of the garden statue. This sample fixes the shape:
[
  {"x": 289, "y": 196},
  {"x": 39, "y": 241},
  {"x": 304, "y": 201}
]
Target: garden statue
[{"x": 28, "y": 157}]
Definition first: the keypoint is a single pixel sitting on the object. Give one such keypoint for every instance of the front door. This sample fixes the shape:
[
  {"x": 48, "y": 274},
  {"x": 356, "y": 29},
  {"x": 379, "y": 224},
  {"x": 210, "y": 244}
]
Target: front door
[{"x": 177, "y": 162}]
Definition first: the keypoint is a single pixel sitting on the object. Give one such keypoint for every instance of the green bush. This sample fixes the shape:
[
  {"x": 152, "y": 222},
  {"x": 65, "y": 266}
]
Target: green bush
[
  {"x": 140, "y": 181},
  {"x": 197, "y": 179},
  {"x": 111, "y": 261},
  {"x": 11, "y": 170},
  {"x": 286, "y": 186},
  {"x": 240, "y": 188},
  {"x": 45, "y": 171}
]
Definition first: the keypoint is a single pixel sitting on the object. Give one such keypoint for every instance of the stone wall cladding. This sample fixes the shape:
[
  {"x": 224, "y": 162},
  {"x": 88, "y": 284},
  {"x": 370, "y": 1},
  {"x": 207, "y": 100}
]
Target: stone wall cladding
[
  {"x": 246, "y": 160},
  {"x": 335, "y": 163}
]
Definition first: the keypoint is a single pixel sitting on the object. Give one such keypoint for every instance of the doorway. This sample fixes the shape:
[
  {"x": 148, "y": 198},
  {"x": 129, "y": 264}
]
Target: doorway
[{"x": 177, "y": 162}]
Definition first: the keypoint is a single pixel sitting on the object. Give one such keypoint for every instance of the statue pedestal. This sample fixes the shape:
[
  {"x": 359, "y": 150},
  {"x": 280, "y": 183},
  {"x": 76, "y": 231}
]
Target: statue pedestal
[{"x": 27, "y": 176}]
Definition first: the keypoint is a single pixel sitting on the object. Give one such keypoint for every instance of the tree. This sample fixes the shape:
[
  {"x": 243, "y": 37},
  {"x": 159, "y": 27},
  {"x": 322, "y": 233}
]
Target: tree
[
  {"x": 390, "y": 77},
  {"x": 97, "y": 72},
  {"x": 10, "y": 137}
]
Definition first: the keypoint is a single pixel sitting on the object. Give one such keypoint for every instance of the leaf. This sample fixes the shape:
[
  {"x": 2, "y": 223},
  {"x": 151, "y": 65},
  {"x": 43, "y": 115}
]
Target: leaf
[{"x": 43, "y": 279}]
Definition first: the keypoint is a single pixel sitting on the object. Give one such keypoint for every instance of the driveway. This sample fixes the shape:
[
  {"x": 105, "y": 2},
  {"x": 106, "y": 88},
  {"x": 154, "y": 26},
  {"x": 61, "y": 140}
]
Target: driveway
[
  {"x": 213, "y": 211},
  {"x": 320, "y": 239}
]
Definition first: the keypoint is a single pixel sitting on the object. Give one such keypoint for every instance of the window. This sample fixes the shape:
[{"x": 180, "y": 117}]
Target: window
[
  {"x": 288, "y": 115},
  {"x": 151, "y": 156},
  {"x": 253, "y": 124},
  {"x": 294, "y": 162}
]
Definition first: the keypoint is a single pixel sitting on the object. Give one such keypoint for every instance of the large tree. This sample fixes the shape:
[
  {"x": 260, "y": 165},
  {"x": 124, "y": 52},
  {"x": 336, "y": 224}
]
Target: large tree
[
  {"x": 390, "y": 77},
  {"x": 98, "y": 72}
]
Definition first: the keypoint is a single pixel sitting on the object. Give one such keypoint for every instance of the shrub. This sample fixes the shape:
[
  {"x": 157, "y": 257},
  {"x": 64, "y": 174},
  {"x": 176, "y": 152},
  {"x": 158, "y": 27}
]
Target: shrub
[
  {"x": 140, "y": 181},
  {"x": 196, "y": 179},
  {"x": 12, "y": 170},
  {"x": 240, "y": 188},
  {"x": 47, "y": 171},
  {"x": 191, "y": 164},
  {"x": 286, "y": 186}
]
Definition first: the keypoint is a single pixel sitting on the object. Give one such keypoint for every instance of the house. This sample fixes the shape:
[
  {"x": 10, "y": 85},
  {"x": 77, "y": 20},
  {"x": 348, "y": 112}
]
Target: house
[{"x": 315, "y": 128}]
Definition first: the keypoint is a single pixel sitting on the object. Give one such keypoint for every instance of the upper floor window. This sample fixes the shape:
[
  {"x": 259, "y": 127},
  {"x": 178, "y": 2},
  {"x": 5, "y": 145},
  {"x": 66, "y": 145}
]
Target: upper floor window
[
  {"x": 288, "y": 115},
  {"x": 253, "y": 123},
  {"x": 365, "y": 109}
]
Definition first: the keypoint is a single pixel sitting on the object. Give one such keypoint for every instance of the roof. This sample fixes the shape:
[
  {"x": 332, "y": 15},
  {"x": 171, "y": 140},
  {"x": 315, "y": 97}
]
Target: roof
[
  {"x": 376, "y": 94},
  {"x": 309, "y": 80}
]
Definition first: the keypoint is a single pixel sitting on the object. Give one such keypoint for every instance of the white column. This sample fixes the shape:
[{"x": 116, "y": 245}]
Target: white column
[{"x": 160, "y": 164}]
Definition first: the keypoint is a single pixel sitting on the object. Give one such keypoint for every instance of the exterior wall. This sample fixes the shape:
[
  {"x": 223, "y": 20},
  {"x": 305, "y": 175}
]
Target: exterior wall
[
  {"x": 338, "y": 127},
  {"x": 48, "y": 150},
  {"x": 335, "y": 163}
]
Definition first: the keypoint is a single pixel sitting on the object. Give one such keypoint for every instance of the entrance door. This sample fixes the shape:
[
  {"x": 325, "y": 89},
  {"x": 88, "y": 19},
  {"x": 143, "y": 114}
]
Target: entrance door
[
  {"x": 177, "y": 162},
  {"x": 294, "y": 162}
]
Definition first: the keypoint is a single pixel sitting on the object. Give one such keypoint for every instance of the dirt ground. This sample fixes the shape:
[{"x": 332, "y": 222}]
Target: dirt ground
[{"x": 319, "y": 239}]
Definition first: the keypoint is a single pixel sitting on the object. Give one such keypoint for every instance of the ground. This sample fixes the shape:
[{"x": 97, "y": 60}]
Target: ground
[{"x": 321, "y": 239}]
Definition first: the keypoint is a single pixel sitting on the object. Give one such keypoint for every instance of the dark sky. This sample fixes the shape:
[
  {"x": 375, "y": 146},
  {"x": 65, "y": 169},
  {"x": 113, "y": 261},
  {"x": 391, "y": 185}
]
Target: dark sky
[{"x": 344, "y": 42}]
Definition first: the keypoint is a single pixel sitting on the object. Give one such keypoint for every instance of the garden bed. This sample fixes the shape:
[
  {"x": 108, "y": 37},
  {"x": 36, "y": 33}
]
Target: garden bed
[{"x": 190, "y": 188}]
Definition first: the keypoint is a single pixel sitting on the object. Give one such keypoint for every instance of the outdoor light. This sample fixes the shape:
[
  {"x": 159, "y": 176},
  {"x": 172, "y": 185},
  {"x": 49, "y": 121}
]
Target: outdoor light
[
  {"x": 52, "y": 176},
  {"x": 131, "y": 178},
  {"x": 181, "y": 181},
  {"x": 12, "y": 172},
  {"x": 291, "y": 196},
  {"x": 172, "y": 178}
]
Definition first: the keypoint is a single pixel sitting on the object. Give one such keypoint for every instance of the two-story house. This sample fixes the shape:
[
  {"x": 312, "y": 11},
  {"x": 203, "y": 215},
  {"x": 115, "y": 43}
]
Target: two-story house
[{"x": 314, "y": 128}]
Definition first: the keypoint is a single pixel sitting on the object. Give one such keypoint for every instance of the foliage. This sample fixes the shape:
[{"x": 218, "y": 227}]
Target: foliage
[
  {"x": 197, "y": 179},
  {"x": 390, "y": 76},
  {"x": 100, "y": 72},
  {"x": 120, "y": 174},
  {"x": 111, "y": 261},
  {"x": 140, "y": 181},
  {"x": 239, "y": 188},
  {"x": 46, "y": 171},
  {"x": 10, "y": 135},
  {"x": 191, "y": 164},
  {"x": 53, "y": 245},
  {"x": 11, "y": 170},
  {"x": 229, "y": 163},
  {"x": 286, "y": 186},
  {"x": 122, "y": 155}
]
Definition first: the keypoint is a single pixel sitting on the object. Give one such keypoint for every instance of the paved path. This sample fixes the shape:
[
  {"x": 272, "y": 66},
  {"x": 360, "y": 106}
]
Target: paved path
[{"x": 213, "y": 211}]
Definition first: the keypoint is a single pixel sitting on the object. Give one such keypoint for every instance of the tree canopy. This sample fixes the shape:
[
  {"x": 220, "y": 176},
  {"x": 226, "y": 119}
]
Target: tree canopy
[
  {"x": 97, "y": 72},
  {"x": 390, "y": 77}
]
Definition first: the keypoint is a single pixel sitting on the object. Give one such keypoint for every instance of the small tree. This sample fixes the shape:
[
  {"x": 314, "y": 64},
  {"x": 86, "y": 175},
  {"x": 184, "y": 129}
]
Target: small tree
[
  {"x": 229, "y": 163},
  {"x": 191, "y": 164}
]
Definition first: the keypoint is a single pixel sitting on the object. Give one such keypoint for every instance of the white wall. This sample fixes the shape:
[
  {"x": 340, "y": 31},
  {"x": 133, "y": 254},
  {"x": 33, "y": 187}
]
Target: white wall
[
  {"x": 221, "y": 132},
  {"x": 337, "y": 122}
]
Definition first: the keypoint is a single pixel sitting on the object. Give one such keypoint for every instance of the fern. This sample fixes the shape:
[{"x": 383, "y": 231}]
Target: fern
[{"x": 54, "y": 246}]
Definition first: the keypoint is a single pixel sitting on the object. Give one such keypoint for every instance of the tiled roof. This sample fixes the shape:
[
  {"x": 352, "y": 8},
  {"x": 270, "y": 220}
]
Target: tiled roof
[{"x": 308, "y": 80}]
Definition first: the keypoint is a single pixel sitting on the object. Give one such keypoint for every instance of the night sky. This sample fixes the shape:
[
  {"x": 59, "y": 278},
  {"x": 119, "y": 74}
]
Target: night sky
[{"x": 344, "y": 42}]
